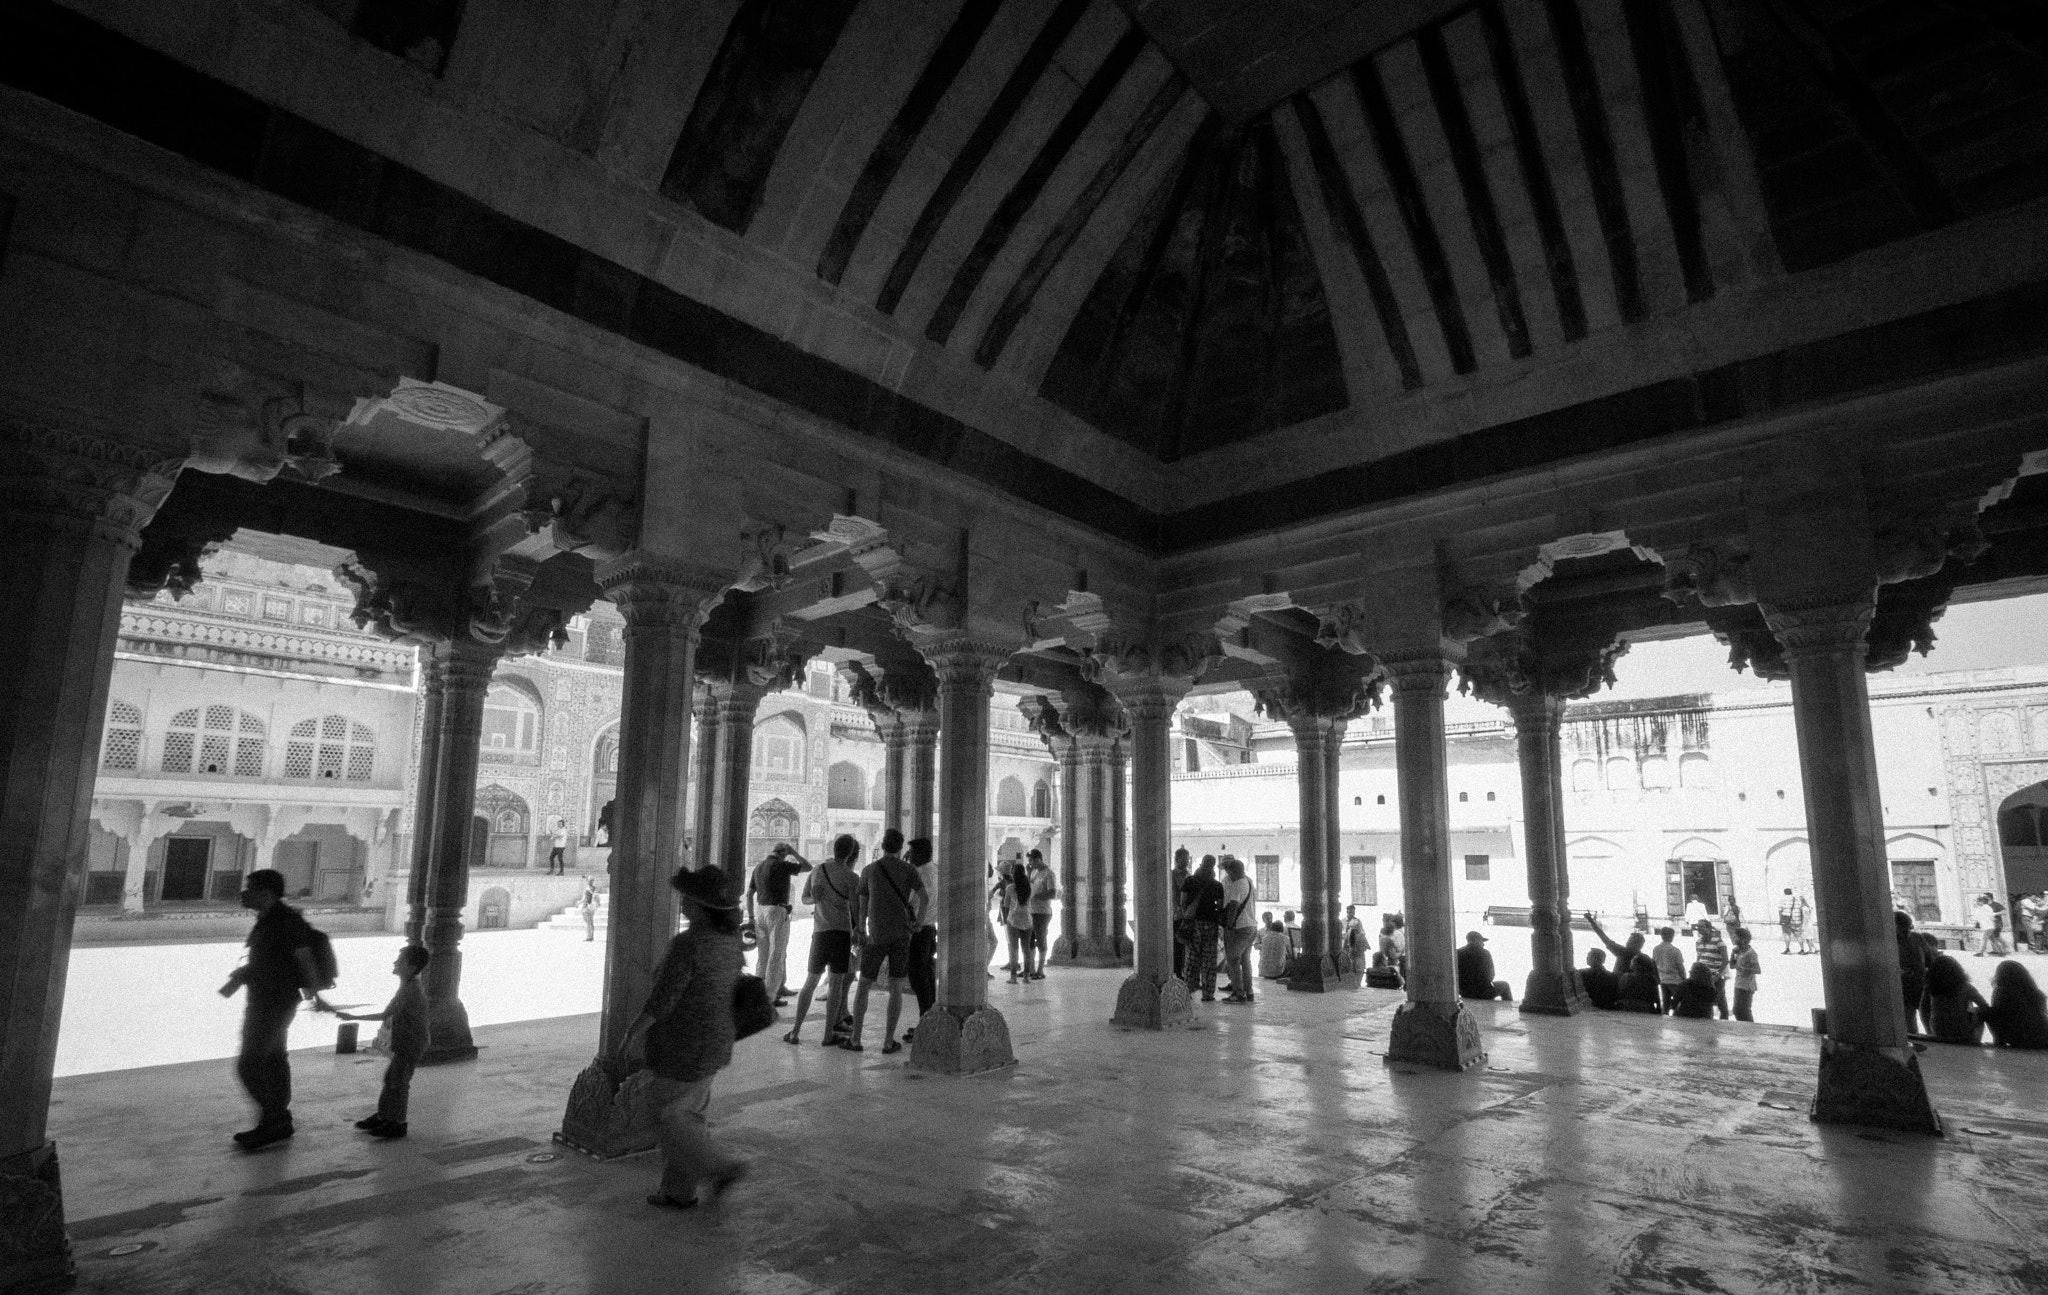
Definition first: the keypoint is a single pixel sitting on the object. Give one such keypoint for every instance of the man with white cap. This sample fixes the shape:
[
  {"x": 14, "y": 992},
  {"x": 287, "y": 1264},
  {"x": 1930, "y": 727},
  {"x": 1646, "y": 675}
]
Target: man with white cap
[{"x": 1475, "y": 971}]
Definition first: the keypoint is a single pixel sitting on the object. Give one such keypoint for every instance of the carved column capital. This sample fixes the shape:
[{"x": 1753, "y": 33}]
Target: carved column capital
[
  {"x": 1423, "y": 671},
  {"x": 964, "y": 664},
  {"x": 652, "y": 591},
  {"x": 466, "y": 666},
  {"x": 1822, "y": 629},
  {"x": 109, "y": 488}
]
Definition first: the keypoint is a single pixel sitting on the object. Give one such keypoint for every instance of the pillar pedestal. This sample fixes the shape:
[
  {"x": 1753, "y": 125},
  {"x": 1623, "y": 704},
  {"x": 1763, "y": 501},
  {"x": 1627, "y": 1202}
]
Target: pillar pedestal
[
  {"x": 1437, "y": 1036},
  {"x": 961, "y": 1041},
  {"x": 1148, "y": 1002},
  {"x": 1877, "y": 1087}
]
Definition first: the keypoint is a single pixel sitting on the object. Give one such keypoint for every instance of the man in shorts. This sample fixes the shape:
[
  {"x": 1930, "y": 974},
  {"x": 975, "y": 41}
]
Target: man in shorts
[
  {"x": 1045, "y": 890},
  {"x": 889, "y": 908},
  {"x": 833, "y": 891}
]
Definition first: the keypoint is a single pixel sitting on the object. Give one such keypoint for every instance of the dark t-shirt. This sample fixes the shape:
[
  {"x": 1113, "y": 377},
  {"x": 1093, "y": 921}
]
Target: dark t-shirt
[
  {"x": 1603, "y": 987},
  {"x": 273, "y": 975},
  {"x": 890, "y": 883},
  {"x": 1475, "y": 973},
  {"x": 1207, "y": 897},
  {"x": 771, "y": 879}
]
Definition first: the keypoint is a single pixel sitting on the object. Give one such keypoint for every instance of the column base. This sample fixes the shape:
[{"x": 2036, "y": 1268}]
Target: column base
[
  {"x": 1145, "y": 1003},
  {"x": 449, "y": 1038},
  {"x": 961, "y": 1041},
  {"x": 1546, "y": 993},
  {"x": 1875, "y": 1087},
  {"x": 1441, "y": 1036},
  {"x": 606, "y": 1118},
  {"x": 1313, "y": 974},
  {"x": 1097, "y": 951},
  {"x": 35, "y": 1255},
  {"x": 1062, "y": 951}
]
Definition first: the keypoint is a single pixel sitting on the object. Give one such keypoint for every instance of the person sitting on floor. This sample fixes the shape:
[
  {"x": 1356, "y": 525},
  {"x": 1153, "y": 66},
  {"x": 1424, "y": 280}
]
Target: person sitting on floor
[
  {"x": 1696, "y": 994},
  {"x": 1954, "y": 1007},
  {"x": 1273, "y": 950},
  {"x": 1603, "y": 987},
  {"x": 1475, "y": 972},
  {"x": 2018, "y": 1015}
]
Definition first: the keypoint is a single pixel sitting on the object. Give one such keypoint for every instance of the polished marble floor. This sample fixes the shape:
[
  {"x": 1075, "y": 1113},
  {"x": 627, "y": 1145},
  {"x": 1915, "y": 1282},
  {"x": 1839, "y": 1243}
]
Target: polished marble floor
[{"x": 1270, "y": 1151}]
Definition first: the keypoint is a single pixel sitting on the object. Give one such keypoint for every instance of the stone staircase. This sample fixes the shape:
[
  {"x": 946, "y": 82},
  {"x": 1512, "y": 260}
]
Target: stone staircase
[{"x": 571, "y": 918}]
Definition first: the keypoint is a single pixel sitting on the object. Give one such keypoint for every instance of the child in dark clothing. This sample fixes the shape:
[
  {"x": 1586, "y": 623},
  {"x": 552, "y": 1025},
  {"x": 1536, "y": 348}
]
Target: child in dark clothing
[{"x": 407, "y": 1014}]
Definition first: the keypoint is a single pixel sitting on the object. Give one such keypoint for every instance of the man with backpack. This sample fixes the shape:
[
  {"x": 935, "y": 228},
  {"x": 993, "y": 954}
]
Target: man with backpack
[
  {"x": 889, "y": 907},
  {"x": 288, "y": 960}
]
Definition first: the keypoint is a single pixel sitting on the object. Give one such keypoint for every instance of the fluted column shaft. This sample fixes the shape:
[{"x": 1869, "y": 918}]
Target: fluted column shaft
[
  {"x": 1312, "y": 969},
  {"x": 1553, "y": 985},
  {"x": 1868, "y": 1072},
  {"x": 426, "y": 795},
  {"x": 1117, "y": 775},
  {"x": 74, "y": 509},
  {"x": 1332, "y": 898},
  {"x": 1431, "y": 1028},
  {"x": 1153, "y": 997},
  {"x": 703, "y": 778},
  {"x": 466, "y": 681},
  {"x": 920, "y": 773},
  {"x": 1073, "y": 848},
  {"x": 962, "y": 1034},
  {"x": 1094, "y": 943},
  {"x": 895, "y": 750},
  {"x": 733, "y": 779}
]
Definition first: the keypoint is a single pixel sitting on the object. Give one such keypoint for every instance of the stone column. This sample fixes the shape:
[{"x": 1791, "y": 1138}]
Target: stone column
[
  {"x": 1313, "y": 970},
  {"x": 426, "y": 800},
  {"x": 1072, "y": 848},
  {"x": 895, "y": 750},
  {"x": 732, "y": 780},
  {"x": 1868, "y": 1073},
  {"x": 1333, "y": 850},
  {"x": 135, "y": 878},
  {"x": 703, "y": 780},
  {"x": 1094, "y": 944},
  {"x": 920, "y": 772},
  {"x": 74, "y": 508},
  {"x": 1153, "y": 998},
  {"x": 962, "y": 1034},
  {"x": 467, "y": 679},
  {"x": 664, "y": 606},
  {"x": 1553, "y": 985},
  {"x": 1118, "y": 774},
  {"x": 1432, "y": 1028}
]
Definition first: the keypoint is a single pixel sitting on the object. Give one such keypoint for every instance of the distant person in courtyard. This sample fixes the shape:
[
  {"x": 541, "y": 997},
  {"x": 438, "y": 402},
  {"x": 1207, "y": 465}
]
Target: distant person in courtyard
[
  {"x": 1206, "y": 901},
  {"x": 1183, "y": 924},
  {"x": 1045, "y": 888},
  {"x": 1603, "y": 987},
  {"x": 1954, "y": 1008},
  {"x": 769, "y": 909},
  {"x": 2018, "y": 1015},
  {"x": 280, "y": 971},
  {"x": 1390, "y": 943},
  {"x": 1353, "y": 942},
  {"x": 558, "y": 845},
  {"x": 685, "y": 1035},
  {"x": 889, "y": 909},
  {"x": 1475, "y": 972},
  {"x": 1293, "y": 927},
  {"x": 1747, "y": 966},
  {"x": 1711, "y": 951},
  {"x": 1016, "y": 899},
  {"x": 1788, "y": 921},
  {"x": 2026, "y": 922},
  {"x": 1695, "y": 997},
  {"x": 1988, "y": 917},
  {"x": 586, "y": 904},
  {"x": 604, "y": 822},
  {"x": 1695, "y": 913},
  {"x": 1670, "y": 967},
  {"x": 831, "y": 890},
  {"x": 1273, "y": 950},
  {"x": 924, "y": 941},
  {"x": 1913, "y": 960},
  {"x": 406, "y": 1015},
  {"x": 1240, "y": 929}
]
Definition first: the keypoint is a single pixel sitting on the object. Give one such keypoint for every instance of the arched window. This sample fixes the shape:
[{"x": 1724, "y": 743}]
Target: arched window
[
  {"x": 1585, "y": 775},
  {"x": 1010, "y": 798},
  {"x": 1041, "y": 800},
  {"x": 773, "y": 822},
  {"x": 779, "y": 750},
  {"x": 331, "y": 747},
  {"x": 214, "y": 739},
  {"x": 1656, "y": 771},
  {"x": 846, "y": 787},
  {"x": 1695, "y": 770},
  {"x": 1621, "y": 772},
  {"x": 2019, "y": 826},
  {"x": 122, "y": 746},
  {"x": 511, "y": 722}
]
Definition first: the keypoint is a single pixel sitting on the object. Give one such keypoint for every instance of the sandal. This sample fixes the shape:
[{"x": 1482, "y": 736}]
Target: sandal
[
  {"x": 891, "y": 1046},
  {"x": 662, "y": 1200},
  {"x": 852, "y": 1045},
  {"x": 791, "y": 1037}
]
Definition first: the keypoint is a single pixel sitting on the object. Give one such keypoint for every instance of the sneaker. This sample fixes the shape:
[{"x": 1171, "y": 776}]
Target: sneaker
[
  {"x": 264, "y": 1135},
  {"x": 394, "y": 1129}
]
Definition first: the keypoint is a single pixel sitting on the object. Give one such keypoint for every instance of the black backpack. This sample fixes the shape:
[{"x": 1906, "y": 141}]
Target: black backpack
[{"x": 322, "y": 950}]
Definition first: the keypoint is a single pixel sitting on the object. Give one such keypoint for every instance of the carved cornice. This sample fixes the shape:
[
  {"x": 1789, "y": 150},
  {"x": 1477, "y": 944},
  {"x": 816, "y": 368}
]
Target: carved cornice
[
  {"x": 1473, "y": 614},
  {"x": 172, "y": 562},
  {"x": 1511, "y": 666},
  {"x": 654, "y": 591},
  {"x": 1091, "y": 712},
  {"x": 1821, "y": 630},
  {"x": 965, "y": 664},
  {"x": 396, "y": 608},
  {"x": 775, "y": 660},
  {"x": 258, "y": 428},
  {"x": 1044, "y": 720},
  {"x": 1120, "y": 662},
  {"x": 1417, "y": 671},
  {"x": 1913, "y": 547},
  {"x": 1297, "y": 699},
  {"x": 113, "y": 486},
  {"x": 1710, "y": 576}
]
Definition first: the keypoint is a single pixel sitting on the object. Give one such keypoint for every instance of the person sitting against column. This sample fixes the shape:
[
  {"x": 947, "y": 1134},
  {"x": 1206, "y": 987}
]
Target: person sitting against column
[
  {"x": 1475, "y": 972},
  {"x": 831, "y": 890},
  {"x": 1603, "y": 987},
  {"x": 1747, "y": 966},
  {"x": 1045, "y": 888},
  {"x": 1954, "y": 1009},
  {"x": 2018, "y": 1014},
  {"x": 1712, "y": 952},
  {"x": 890, "y": 907},
  {"x": 1696, "y": 994},
  {"x": 1273, "y": 950},
  {"x": 769, "y": 910}
]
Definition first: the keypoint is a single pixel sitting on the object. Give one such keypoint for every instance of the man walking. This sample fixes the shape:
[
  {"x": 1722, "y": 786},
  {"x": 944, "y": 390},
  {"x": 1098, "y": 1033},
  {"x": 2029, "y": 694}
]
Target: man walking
[
  {"x": 833, "y": 891},
  {"x": 279, "y": 972},
  {"x": 768, "y": 908},
  {"x": 558, "y": 844},
  {"x": 1045, "y": 888},
  {"x": 889, "y": 908}
]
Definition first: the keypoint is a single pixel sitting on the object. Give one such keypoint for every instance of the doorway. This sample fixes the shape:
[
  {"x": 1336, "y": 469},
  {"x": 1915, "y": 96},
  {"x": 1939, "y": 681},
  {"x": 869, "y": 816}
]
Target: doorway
[
  {"x": 1712, "y": 880},
  {"x": 187, "y": 859},
  {"x": 1913, "y": 880},
  {"x": 494, "y": 911}
]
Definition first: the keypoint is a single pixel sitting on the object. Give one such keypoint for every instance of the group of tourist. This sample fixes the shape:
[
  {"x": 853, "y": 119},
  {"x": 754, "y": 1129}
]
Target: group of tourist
[
  {"x": 1947, "y": 1008},
  {"x": 1020, "y": 902},
  {"x": 1663, "y": 981}
]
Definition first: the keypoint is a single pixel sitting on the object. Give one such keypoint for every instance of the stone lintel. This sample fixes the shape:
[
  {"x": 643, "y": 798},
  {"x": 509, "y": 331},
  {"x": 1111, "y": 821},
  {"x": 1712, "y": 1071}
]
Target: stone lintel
[
  {"x": 1309, "y": 973},
  {"x": 607, "y": 1117},
  {"x": 1873, "y": 1087},
  {"x": 1439, "y": 1036},
  {"x": 961, "y": 1041},
  {"x": 35, "y": 1255},
  {"x": 1143, "y": 1003}
]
